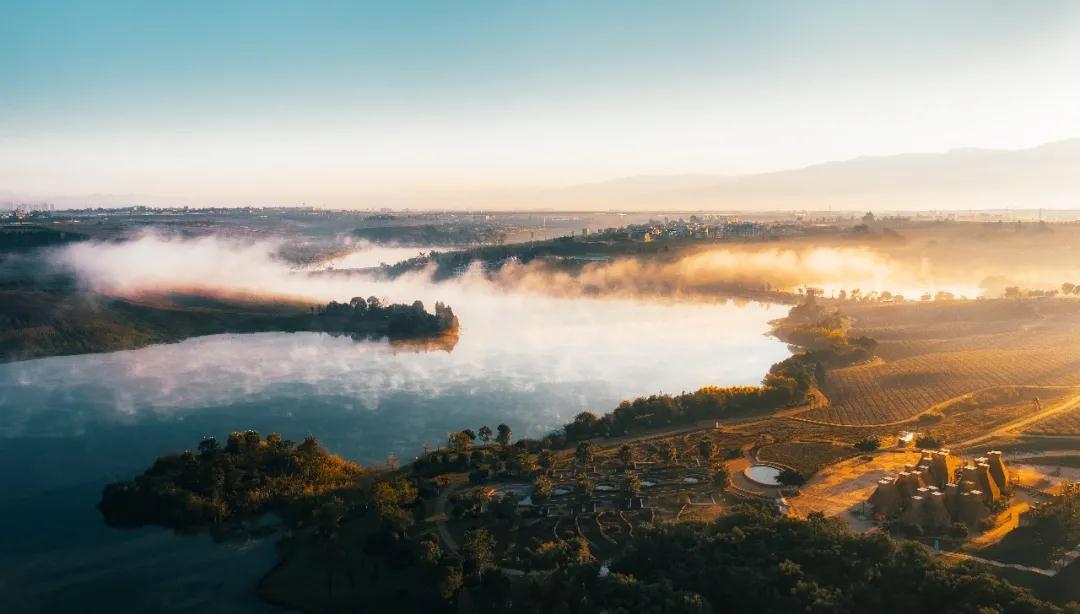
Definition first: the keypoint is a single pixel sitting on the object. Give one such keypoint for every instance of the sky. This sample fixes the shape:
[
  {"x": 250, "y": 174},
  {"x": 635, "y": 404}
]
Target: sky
[{"x": 323, "y": 102}]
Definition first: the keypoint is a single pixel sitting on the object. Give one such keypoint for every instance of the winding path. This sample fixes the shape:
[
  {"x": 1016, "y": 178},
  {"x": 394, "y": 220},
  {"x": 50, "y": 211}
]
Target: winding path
[
  {"x": 1053, "y": 410},
  {"x": 440, "y": 513}
]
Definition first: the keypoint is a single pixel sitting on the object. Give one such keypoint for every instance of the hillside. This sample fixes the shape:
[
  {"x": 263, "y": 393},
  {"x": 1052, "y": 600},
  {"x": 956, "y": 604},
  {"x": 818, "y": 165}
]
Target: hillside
[{"x": 1042, "y": 176}]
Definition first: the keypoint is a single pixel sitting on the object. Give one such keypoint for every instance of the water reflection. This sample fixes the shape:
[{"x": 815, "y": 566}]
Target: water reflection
[
  {"x": 370, "y": 256},
  {"x": 70, "y": 424}
]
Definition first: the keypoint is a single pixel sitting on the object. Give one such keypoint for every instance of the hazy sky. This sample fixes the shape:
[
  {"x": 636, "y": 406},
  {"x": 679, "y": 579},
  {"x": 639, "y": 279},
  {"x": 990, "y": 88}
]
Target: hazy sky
[{"x": 248, "y": 102}]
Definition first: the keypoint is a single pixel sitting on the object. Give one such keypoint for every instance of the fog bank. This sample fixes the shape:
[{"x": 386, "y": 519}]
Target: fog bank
[{"x": 155, "y": 263}]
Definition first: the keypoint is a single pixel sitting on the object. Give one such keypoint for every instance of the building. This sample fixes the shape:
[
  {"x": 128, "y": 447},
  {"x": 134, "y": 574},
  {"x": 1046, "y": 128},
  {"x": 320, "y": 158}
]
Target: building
[{"x": 942, "y": 489}]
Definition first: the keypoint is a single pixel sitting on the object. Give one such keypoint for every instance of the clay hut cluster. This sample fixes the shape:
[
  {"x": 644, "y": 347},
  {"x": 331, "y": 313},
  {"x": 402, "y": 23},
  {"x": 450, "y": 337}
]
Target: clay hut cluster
[{"x": 940, "y": 489}]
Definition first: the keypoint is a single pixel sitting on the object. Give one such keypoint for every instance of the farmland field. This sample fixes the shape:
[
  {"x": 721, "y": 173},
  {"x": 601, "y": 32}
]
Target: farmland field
[
  {"x": 806, "y": 457},
  {"x": 947, "y": 351},
  {"x": 1067, "y": 423}
]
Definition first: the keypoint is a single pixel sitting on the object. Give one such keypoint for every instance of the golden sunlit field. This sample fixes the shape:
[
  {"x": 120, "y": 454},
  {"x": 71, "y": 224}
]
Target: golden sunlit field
[{"x": 930, "y": 353}]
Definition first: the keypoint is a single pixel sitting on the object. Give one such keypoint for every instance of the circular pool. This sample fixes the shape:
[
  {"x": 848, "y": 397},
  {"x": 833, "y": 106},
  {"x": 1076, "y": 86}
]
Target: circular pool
[{"x": 762, "y": 474}]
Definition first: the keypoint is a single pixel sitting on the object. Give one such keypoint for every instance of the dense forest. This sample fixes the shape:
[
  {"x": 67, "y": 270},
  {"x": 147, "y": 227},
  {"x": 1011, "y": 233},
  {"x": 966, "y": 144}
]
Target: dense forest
[
  {"x": 216, "y": 485},
  {"x": 752, "y": 560},
  {"x": 366, "y": 543}
]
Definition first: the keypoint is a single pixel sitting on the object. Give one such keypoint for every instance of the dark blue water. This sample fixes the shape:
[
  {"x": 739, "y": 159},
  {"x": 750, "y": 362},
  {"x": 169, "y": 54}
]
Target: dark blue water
[{"x": 69, "y": 425}]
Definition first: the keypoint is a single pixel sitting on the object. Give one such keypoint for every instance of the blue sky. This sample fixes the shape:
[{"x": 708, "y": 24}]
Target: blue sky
[{"x": 253, "y": 100}]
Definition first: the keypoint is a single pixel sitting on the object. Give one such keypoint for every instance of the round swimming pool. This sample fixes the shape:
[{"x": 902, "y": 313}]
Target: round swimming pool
[{"x": 762, "y": 474}]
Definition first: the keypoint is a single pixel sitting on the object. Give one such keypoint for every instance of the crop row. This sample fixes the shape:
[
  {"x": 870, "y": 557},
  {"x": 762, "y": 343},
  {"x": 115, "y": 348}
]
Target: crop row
[{"x": 895, "y": 391}]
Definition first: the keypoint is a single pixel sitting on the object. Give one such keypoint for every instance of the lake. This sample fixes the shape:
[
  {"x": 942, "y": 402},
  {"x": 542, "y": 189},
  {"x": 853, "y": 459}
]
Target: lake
[{"x": 69, "y": 425}]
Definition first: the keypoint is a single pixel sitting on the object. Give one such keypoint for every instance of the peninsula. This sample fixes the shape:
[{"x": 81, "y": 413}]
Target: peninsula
[{"x": 47, "y": 322}]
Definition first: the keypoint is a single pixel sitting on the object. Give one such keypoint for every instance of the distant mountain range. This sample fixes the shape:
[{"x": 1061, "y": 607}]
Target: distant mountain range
[{"x": 1044, "y": 176}]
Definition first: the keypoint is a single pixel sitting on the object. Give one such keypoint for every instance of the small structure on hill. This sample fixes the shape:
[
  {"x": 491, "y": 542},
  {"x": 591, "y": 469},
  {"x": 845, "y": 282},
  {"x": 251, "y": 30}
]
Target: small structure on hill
[{"x": 941, "y": 489}]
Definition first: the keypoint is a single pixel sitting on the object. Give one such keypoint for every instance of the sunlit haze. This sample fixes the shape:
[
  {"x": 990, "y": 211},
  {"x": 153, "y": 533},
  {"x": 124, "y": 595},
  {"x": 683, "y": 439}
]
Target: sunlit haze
[{"x": 464, "y": 105}]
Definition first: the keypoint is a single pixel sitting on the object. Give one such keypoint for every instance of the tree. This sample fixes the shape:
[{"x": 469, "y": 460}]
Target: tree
[
  {"x": 577, "y": 552},
  {"x": 1067, "y": 288},
  {"x": 390, "y": 496},
  {"x": 669, "y": 452},
  {"x": 546, "y": 460},
  {"x": 503, "y": 438},
  {"x": 505, "y": 509},
  {"x": 869, "y": 443},
  {"x": 584, "y": 453},
  {"x": 633, "y": 484},
  {"x": 549, "y": 554},
  {"x": 521, "y": 462},
  {"x": 208, "y": 445},
  {"x": 572, "y": 552},
  {"x": 485, "y": 433},
  {"x": 583, "y": 426},
  {"x": 275, "y": 442},
  {"x": 1057, "y": 522},
  {"x": 247, "y": 478},
  {"x": 479, "y": 547},
  {"x": 429, "y": 552},
  {"x": 449, "y": 581},
  {"x": 459, "y": 441},
  {"x": 585, "y": 484},
  {"x": 790, "y": 477},
  {"x": 330, "y": 516},
  {"x": 721, "y": 477},
  {"x": 543, "y": 488},
  {"x": 958, "y": 530},
  {"x": 626, "y": 455},
  {"x": 929, "y": 441},
  {"x": 705, "y": 449}
]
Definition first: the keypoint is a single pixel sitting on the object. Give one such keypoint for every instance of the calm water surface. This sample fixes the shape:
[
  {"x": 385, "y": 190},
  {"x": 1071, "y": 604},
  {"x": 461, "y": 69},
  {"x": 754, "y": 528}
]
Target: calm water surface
[{"x": 68, "y": 425}]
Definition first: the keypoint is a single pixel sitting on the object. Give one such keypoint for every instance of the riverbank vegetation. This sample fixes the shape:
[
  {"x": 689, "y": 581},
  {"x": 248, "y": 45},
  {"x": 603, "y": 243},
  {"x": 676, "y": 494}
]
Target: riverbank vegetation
[
  {"x": 37, "y": 323},
  {"x": 820, "y": 340}
]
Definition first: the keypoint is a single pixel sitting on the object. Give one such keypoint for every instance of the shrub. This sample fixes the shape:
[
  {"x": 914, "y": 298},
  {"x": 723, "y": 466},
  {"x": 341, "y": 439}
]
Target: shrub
[
  {"x": 868, "y": 444},
  {"x": 957, "y": 530},
  {"x": 790, "y": 477},
  {"x": 929, "y": 441}
]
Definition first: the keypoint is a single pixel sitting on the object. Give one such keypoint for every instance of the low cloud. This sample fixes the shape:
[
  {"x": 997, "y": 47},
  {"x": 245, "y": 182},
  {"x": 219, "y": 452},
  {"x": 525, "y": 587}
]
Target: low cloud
[{"x": 155, "y": 263}]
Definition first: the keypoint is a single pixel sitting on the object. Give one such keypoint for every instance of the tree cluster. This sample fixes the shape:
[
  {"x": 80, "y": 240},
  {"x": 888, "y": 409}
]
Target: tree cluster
[
  {"x": 248, "y": 476},
  {"x": 755, "y": 561},
  {"x": 359, "y": 314},
  {"x": 786, "y": 384}
]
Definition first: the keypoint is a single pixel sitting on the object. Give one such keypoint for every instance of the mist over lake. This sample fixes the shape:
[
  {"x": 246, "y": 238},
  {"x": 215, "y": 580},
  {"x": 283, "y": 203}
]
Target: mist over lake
[{"x": 68, "y": 425}]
